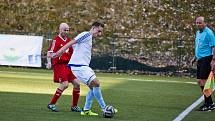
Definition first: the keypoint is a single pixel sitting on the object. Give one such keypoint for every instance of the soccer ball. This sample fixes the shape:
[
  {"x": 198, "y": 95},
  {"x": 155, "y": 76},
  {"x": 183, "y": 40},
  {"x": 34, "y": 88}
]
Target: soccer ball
[{"x": 108, "y": 111}]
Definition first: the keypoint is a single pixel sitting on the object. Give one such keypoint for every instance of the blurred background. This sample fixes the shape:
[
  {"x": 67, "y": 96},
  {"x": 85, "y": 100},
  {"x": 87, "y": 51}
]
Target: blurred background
[{"x": 140, "y": 36}]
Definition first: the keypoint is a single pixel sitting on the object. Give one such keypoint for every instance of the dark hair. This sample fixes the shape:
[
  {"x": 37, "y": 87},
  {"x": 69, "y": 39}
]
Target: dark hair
[{"x": 97, "y": 24}]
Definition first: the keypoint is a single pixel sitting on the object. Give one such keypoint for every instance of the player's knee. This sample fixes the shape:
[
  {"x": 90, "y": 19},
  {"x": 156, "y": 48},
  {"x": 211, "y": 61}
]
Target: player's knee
[
  {"x": 202, "y": 82},
  {"x": 65, "y": 85},
  {"x": 76, "y": 84},
  {"x": 95, "y": 83}
]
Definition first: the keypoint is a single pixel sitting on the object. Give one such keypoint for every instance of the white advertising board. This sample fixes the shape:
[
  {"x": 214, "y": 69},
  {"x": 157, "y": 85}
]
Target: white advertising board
[{"x": 20, "y": 50}]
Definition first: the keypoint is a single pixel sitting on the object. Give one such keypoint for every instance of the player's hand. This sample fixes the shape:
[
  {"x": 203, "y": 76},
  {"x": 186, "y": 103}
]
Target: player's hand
[
  {"x": 52, "y": 55},
  {"x": 49, "y": 65},
  {"x": 49, "y": 54},
  {"x": 193, "y": 61},
  {"x": 212, "y": 64}
]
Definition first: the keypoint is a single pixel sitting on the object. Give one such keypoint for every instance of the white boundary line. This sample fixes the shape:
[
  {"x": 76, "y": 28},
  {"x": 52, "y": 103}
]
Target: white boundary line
[
  {"x": 183, "y": 114},
  {"x": 189, "y": 109},
  {"x": 165, "y": 81}
]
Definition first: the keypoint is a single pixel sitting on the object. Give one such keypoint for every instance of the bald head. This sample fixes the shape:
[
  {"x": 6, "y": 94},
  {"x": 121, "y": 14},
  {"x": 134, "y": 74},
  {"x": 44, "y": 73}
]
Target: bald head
[
  {"x": 64, "y": 29},
  {"x": 63, "y": 26},
  {"x": 200, "y": 19},
  {"x": 200, "y": 23}
]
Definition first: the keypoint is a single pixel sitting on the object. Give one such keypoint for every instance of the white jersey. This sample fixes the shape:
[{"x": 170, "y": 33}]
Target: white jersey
[{"x": 82, "y": 50}]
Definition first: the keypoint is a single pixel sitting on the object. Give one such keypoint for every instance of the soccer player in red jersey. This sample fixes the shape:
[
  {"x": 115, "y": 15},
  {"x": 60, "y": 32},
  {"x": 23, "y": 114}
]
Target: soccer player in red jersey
[{"x": 62, "y": 73}]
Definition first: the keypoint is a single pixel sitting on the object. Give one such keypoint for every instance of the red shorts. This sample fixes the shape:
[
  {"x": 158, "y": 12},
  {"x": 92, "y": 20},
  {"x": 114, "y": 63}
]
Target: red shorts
[{"x": 62, "y": 73}]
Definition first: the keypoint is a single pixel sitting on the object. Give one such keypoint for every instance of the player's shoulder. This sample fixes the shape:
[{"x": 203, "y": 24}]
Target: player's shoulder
[
  {"x": 83, "y": 36},
  {"x": 84, "y": 33},
  {"x": 208, "y": 30},
  {"x": 56, "y": 38}
]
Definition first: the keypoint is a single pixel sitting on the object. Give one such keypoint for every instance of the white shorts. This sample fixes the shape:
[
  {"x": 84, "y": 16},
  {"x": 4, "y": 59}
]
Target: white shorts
[{"x": 84, "y": 74}]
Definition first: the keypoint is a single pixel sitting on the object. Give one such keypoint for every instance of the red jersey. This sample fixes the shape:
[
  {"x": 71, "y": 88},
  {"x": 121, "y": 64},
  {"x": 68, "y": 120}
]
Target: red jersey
[{"x": 57, "y": 43}]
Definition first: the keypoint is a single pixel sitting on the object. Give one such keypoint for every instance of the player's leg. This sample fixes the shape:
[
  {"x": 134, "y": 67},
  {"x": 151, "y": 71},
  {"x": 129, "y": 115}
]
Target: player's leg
[
  {"x": 207, "y": 71},
  {"x": 89, "y": 100},
  {"x": 203, "y": 70},
  {"x": 84, "y": 74},
  {"x": 60, "y": 76},
  {"x": 56, "y": 96},
  {"x": 75, "y": 96},
  {"x": 95, "y": 86},
  {"x": 88, "y": 104},
  {"x": 87, "y": 76}
]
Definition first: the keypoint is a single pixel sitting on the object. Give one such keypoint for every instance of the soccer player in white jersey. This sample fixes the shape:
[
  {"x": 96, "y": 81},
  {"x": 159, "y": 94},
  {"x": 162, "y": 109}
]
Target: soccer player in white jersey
[{"x": 79, "y": 64}]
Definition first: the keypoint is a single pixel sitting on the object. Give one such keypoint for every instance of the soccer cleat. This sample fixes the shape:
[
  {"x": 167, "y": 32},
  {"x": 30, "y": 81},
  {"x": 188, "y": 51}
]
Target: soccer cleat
[
  {"x": 212, "y": 106},
  {"x": 52, "y": 107},
  {"x": 76, "y": 109},
  {"x": 88, "y": 113},
  {"x": 204, "y": 107},
  {"x": 115, "y": 110}
]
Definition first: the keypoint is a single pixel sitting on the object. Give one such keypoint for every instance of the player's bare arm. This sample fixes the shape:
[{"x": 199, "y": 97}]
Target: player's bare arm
[
  {"x": 213, "y": 60},
  {"x": 49, "y": 65},
  {"x": 193, "y": 61}
]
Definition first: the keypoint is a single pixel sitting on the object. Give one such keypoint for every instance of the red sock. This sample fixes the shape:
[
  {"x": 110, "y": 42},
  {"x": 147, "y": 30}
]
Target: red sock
[
  {"x": 75, "y": 96},
  {"x": 56, "y": 96}
]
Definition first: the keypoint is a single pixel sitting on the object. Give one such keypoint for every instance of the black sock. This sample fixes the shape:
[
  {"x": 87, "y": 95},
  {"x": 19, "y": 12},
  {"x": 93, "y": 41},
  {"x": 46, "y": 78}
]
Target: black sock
[
  {"x": 206, "y": 98},
  {"x": 202, "y": 87}
]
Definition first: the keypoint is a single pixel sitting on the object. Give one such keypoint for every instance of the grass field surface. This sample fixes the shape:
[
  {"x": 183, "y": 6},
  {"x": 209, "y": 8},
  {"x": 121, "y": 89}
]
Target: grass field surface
[{"x": 25, "y": 93}]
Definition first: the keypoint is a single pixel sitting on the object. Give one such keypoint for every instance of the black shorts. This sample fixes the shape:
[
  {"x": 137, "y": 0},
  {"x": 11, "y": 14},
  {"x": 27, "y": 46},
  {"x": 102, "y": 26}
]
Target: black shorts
[{"x": 204, "y": 67}]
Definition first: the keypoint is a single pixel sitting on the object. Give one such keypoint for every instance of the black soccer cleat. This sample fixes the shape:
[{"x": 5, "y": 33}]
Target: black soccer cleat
[
  {"x": 212, "y": 106},
  {"x": 204, "y": 107}
]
